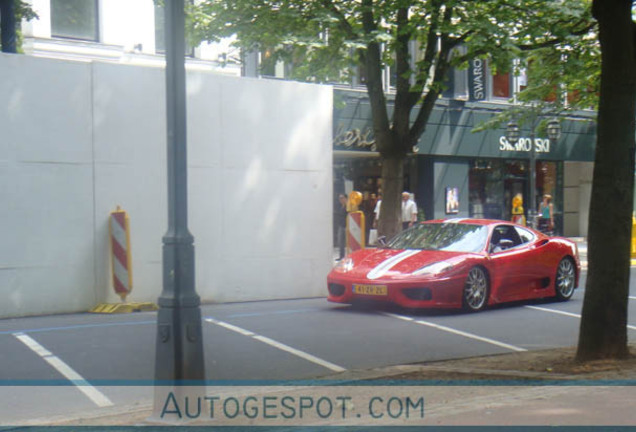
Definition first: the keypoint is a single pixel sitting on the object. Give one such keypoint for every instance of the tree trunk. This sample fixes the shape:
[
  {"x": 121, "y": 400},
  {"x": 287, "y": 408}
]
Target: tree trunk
[
  {"x": 391, "y": 208},
  {"x": 603, "y": 330}
]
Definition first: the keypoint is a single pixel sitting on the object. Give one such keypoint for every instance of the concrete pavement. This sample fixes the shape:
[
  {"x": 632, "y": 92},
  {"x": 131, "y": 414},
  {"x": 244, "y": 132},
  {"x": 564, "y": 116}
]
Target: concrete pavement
[{"x": 480, "y": 394}]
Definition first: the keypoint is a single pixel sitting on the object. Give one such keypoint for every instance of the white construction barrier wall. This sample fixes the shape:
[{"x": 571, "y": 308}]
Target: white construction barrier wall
[{"x": 78, "y": 139}]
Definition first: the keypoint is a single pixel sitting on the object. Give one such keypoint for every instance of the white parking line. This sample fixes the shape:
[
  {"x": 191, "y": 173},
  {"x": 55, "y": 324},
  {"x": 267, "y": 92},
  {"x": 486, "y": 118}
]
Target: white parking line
[
  {"x": 97, "y": 397},
  {"x": 570, "y": 314},
  {"x": 457, "y": 332},
  {"x": 278, "y": 345}
]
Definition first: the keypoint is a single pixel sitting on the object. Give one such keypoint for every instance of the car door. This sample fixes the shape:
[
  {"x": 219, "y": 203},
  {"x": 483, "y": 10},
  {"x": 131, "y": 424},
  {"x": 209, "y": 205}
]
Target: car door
[
  {"x": 537, "y": 262},
  {"x": 511, "y": 277}
]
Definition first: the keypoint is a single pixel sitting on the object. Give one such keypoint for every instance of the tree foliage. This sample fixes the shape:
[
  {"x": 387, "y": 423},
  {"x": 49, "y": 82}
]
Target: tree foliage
[{"x": 329, "y": 40}]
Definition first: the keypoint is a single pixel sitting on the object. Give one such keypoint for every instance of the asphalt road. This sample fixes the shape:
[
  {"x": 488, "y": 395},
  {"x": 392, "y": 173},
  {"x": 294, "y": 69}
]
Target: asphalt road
[{"x": 256, "y": 341}]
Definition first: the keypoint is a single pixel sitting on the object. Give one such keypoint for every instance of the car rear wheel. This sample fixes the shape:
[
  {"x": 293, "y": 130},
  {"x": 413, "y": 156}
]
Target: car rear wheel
[
  {"x": 476, "y": 290},
  {"x": 565, "y": 279}
]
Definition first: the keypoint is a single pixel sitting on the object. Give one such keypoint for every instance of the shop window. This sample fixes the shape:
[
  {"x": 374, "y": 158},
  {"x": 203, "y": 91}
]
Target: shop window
[
  {"x": 486, "y": 192},
  {"x": 75, "y": 19},
  {"x": 546, "y": 179}
]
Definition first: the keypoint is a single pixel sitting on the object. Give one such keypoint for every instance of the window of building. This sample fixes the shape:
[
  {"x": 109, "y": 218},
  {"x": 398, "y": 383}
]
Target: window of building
[
  {"x": 160, "y": 29},
  {"x": 160, "y": 32},
  {"x": 501, "y": 86},
  {"x": 486, "y": 192},
  {"x": 75, "y": 19}
]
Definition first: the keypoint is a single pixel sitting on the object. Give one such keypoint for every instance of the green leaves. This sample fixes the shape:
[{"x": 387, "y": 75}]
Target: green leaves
[{"x": 552, "y": 41}]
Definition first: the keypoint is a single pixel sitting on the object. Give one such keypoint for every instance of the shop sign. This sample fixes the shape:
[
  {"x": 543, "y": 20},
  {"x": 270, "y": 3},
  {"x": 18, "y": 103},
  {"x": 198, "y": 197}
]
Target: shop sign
[
  {"x": 354, "y": 139},
  {"x": 477, "y": 80},
  {"x": 541, "y": 145}
]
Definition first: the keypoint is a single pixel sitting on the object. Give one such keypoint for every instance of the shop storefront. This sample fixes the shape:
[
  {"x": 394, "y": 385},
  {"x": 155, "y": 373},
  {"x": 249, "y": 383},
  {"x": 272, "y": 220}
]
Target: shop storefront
[{"x": 459, "y": 173}]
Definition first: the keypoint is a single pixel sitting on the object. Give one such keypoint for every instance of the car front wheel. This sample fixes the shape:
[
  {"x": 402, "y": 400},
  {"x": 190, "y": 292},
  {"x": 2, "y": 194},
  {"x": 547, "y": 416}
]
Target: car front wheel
[
  {"x": 476, "y": 289},
  {"x": 565, "y": 279}
]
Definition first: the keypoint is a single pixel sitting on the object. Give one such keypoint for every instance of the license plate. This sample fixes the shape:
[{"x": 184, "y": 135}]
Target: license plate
[{"x": 374, "y": 290}]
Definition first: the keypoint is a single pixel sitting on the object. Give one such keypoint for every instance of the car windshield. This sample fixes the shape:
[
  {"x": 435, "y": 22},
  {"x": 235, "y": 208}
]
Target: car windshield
[{"x": 450, "y": 237}]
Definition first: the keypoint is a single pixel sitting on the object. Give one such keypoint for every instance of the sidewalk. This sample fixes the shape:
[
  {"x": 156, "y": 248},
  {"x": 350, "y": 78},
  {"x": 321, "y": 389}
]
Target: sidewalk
[{"x": 536, "y": 388}]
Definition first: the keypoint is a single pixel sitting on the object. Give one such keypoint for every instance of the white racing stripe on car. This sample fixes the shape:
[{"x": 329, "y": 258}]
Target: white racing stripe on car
[
  {"x": 457, "y": 332},
  {"x": 276, "y": 344},
  {"x": 384, "y": 267},
  {"x": 454, "y": 221},
  {"x": 570, "y": 314}
]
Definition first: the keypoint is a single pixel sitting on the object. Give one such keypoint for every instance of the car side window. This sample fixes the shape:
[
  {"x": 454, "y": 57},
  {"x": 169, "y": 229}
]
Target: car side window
[
  {"x": 504, "y": 237},
  {"x": 525, "y": 235}
]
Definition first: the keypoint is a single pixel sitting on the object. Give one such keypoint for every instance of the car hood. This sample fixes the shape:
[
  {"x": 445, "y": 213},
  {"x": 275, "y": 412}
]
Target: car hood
[{"x": 376, "y": 264}]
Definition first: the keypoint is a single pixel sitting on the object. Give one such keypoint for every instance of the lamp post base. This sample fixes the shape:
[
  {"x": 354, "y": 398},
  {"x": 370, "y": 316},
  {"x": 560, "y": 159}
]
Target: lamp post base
[{"x": 179, "y": 368}]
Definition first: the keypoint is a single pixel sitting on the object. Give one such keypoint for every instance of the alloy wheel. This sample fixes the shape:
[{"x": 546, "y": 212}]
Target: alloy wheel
[
  {"x": 565, "y": 279},
  {"x": 476, "y": 289}
]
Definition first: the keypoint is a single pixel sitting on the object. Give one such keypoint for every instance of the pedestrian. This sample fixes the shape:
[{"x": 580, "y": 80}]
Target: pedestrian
[
  {"x": 546, "y": 214},
  {"x": 341, "y": 223},
  {"x": 376, "y": 211},
  {"x": 367, "y": 207},
  {"x": 409, "y": 211}
]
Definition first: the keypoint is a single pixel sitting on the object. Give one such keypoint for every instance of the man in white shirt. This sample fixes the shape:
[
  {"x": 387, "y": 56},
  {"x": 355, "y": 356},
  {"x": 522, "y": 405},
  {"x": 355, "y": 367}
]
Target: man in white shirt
[
  {"x": 376, "y": 211},
  {"x": 409, "y": 211}
]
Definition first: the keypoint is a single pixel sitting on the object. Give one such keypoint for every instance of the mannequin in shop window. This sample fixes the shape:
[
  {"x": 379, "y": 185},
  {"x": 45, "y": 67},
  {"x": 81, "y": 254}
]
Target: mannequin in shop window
[{"x": 517, "y": 210}]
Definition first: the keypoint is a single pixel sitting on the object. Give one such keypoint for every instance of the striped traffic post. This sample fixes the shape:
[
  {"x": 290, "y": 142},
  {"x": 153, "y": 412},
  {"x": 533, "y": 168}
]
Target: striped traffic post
[
  {"x": 119, "y": 230},
  {"x": 355, "y": 231}
]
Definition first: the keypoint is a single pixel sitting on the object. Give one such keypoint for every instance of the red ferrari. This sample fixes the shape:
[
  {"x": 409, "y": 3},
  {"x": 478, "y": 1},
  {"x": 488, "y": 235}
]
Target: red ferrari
[{"x": 459, "y": 263}]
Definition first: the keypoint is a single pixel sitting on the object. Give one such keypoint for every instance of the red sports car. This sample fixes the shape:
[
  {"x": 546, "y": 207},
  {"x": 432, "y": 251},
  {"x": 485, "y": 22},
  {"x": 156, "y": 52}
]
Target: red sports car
[{"x": 459, "y": 263}]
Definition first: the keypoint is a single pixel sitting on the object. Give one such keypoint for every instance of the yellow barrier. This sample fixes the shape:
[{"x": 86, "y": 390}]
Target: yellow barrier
[
  {"x": 109, "y": 308},
  {"x": 633, "y": 236}
]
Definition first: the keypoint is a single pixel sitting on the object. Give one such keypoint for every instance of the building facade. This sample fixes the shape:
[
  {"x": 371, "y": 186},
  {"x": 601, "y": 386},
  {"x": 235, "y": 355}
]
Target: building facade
[
  {"x": 482, "y": 169},
  {"x": 456, "y": 172},
  {"x": 121, "y": 31}
]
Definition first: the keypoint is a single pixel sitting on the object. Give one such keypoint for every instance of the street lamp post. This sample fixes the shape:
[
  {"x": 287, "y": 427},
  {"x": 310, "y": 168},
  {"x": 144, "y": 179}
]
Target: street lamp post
[
  {"x": 513, "y": 133},
  {"x": 179, "y": 346}
]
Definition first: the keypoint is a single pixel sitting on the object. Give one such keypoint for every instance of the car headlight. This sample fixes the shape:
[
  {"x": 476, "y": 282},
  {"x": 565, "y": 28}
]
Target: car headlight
[
  {"x": 433, "y": 269},
  {"x": 344, "y": 265}
]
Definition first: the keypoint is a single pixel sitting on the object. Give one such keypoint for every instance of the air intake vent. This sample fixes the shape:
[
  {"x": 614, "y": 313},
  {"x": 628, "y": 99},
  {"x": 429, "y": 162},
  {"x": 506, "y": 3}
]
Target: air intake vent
[
  {"x": 336, "y": 290},
  {"x": 418, "y": 293}
]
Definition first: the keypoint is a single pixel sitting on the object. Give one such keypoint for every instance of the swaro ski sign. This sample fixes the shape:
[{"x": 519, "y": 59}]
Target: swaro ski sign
[{"x": 541, "y": 145}]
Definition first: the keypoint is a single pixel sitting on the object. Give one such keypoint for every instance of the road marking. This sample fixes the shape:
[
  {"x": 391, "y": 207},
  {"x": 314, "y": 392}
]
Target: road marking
[
  {"x": 457, "y": 332},
  {"x": 75, "y": 327},
  {"x": 98, "y": 398},
  {"x": 278, "y": 345},
  {"x": 231, "y": 327},
  {"x": 570, "y": 314},
  {"x": 278, "y": 312},
  {"x": 555, "y": 311}
]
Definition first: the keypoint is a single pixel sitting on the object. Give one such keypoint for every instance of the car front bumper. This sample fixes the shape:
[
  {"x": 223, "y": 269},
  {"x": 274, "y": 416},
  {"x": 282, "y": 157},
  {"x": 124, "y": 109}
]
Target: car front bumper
[{"x": 425, "y": 293}]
